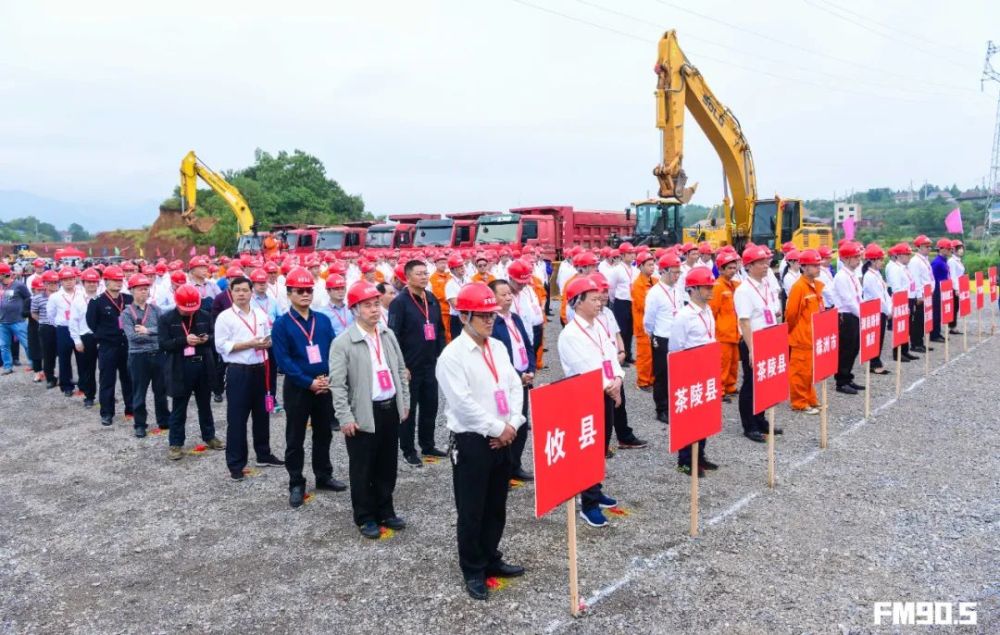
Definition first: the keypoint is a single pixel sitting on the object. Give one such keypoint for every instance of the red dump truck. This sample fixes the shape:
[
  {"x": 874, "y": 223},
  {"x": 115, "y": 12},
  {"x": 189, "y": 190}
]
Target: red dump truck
[
  {"x": 457, "y": 229},
  {"x": 398, "y": 234},
  {"x": 551, "y": 228}
]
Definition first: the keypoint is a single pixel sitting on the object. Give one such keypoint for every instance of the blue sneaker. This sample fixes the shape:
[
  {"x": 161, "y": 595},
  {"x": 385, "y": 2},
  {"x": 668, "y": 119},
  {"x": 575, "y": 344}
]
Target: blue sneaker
[
  {"x": 594, "y": 517},
  {"x": 606, "y": 502},
  {"x": 278, "y": 409}
]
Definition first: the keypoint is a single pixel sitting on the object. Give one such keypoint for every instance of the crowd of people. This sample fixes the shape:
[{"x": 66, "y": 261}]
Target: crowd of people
[{"x": 366, "y": 342}]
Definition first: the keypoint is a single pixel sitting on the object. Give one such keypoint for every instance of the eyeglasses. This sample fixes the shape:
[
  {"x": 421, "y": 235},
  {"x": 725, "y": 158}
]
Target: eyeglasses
[{"x": 303, "y": 291}]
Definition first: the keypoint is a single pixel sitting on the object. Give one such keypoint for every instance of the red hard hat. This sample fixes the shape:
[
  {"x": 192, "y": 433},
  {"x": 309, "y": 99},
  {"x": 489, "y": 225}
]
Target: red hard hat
[
  {"x": 599, "y": 280},
  {"x": 755, "y": 253},
  {"x": 626, "y": 248},
  {"x": 788, "y": 246},
  {"x": 38, "y": 262},
  {"x": 400, "y": 272},
  {"x": 178, "y": 277},
  {"x": 360, "y": 291},
  {"x": 69, "y": 272},
  {"x": 187, "y": 298},
  {"x": 38, "y": 282},
  {"x": 944, "y": 243},
  {"x": 605, "y": 252},
  {"x": 299, "y": 278},
  {"x": 810, "y": 257},
  {"x": 148, "y": 270},
  {"x": 476, "y": 297},
  {"x": 114, "y": 273},
  {"x": 50, "y": 276},
  {"x": 258, "y": 275},
  {"x": 335, "y": 281},
  {"x": 338, "y": 267},
  {"x": 365, "y": 266},
  {"x": 198, "y": 261},
  {"x": 699, "y": 277},
  {"x": 270, "y": 267},
  {"x": 175, "y": 265},
  {"x": 90, "y": 275},
  {"x": 687, "y": 247},
  {"x": 128, "y": 266},
  {"x": 578, "y": 285},
  {"x": 642, "y": 256},
  {"x": 520, "y": 272},
  {"x": 903, "y": 249},
  {"x": 705, "y": 248},
  {"x": 584, "y": 259},
  {"x": 792, "y": 255},
  {"x": 955, "y": 244},
  {"x": 849, "y": 249},
  {"x": 455, "y": 261},
  {"x": 874, "y": 252},
  {"x": 138, "y": 280},
  {"x": 725, "y": 257},
  {"x": 824, "y": 251},
  {"x": 234, "y": 272},
  {"x": 921, "y": 240},
  {"x": 4, "y": 269}
]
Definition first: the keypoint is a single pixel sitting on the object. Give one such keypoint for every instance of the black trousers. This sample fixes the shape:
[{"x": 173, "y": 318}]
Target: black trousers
[
  {"x": 302, "y": 406},
  {"x": 936, "y": 298},
  {"x": 47, "y": 347},
  {"x": 619, "y": 420},
  {"x": 883, "y": 323},
  {"x": 66, "y": 350},
  {"x": 373, "y": 462},
  {"x": 917, "y": 322},
  {"x": 536, "y": 337},
  {"x": 112, "y": 362},
  {"x": 849, "y": 345},
  {"x": 272, "y": 369},
  {"x": 517, "y": 447},
  {"x": 590, "y": 497},
  {"x": 88, "y": 366},
  {"x": 245, "y": 399},
  {"x": 661, "y": 347},
  {"x": 684, "y": 454},
  {"x": 480, "y": 476},
  {"x": 34, "y": 345},
  {"x": 423, "y": 411},
  {"x": 752, "y": 421},
  {"x": 146, "y": 369},
  {"x": 622, "y": 310},
  {"x": 954, "y": 311},
  {"x": 197, "y": 381},
  {"x": 219, "y": 381}
]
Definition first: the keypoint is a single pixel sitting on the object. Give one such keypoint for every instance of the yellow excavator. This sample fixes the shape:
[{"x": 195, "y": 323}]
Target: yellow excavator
[
  {"x": 191, "y": 169},
  {"x": 744, "y": 217}
]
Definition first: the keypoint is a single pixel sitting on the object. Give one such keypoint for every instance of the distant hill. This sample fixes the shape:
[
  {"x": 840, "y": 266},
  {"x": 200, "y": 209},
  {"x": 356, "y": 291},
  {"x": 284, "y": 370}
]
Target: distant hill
[{"x": 92, "y": 216}]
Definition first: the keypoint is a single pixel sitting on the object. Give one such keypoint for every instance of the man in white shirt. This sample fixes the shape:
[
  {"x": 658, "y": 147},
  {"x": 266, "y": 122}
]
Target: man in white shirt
[
  {"x": 756, "y": 303},
  {"x": 920, "y": 269},
  {"x": 566, "y": 268},
  {"x": 83, "y": 338},
  {"x": 956, "y": 269},
  {"x": 451, "y": 288},
  {"x": 198, "y": 274},
  {"x": 59, "y": 309},
  {"x": 525, "y": 302},
  {"x": 585, "y": 346},
  {"x": 620, "y": 282},
  {"x": 825, "y": 275},
  {"x": 847, "y": 297},
  {"x": 242, "y": 338},
  {"x": 483, "y": 397},
  {"x": 663, "y": 302},
  {"x": 898, "y": 278},
  {"x": 694, "y": 326}
]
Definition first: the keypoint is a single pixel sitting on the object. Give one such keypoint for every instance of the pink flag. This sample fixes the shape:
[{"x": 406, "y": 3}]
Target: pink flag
[
  {"x": 193, "y": 250},
  {"x": 849, "y": 228},
  {"x": 953, "y": 221},
  {"x": 211, "y": 251}
]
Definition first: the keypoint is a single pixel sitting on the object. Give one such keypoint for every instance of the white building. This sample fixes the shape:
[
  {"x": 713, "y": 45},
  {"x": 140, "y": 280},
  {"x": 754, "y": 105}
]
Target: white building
[{"x": 842, "y": 211}]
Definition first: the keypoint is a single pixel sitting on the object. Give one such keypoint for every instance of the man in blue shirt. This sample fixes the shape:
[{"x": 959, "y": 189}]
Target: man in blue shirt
[
  {"x": 939, "y": 267},
  {"x": 300, "y": 341},
  {"x": 340, "y": 316},
  {"x": 14, "y": 297}
]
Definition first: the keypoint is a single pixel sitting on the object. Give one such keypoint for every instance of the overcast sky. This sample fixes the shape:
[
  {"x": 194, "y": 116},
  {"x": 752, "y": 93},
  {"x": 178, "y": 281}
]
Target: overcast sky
[{"x": 444, "y": 105}]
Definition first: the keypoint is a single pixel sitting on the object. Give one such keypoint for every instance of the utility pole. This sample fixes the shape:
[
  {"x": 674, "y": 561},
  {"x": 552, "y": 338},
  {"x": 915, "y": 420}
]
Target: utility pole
[{"x": 992, "y": 223}]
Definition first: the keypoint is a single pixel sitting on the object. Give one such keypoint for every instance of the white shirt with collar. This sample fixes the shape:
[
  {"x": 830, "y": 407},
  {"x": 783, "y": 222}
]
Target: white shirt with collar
[
  {"x": 663, "y": 303},
  {"x": 585, "y": 347},
  {"x": 827, "y": 279},
  {"x": 566, "y": 271},
  {"x": 379, "y": 362},
  {"x": 956, "y": 269},
  {"x": 470, "y": 389},
  {"x": 451, "y": 289},
  {"x": 206, "y": 289},
  {"x": 60, "y": 306},
  {"x": 620, "y": 282},
  {"x": 692, "y": 327},
  {"x": 874, "y": 287},
  {"x": 165, "y": 301},
  {"x": 526, "y": 305},
  {"x": 900, "y": 279},
  {"x": 78, "y": 317},
  {"x": 847, "y": 291},
  {"x": 234, "y": 326},
  {"x": 920, "y": 269},
  {"x": 752, "y": 299}
]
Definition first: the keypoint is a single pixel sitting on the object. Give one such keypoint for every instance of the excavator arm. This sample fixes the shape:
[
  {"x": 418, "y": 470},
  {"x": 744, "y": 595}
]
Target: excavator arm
[
  {"x": 679, "y": 85},
  {"x": 191, "y": 169}
]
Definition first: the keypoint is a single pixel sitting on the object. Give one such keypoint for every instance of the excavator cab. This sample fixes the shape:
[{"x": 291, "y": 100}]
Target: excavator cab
[
  {"x": 657, "y": 222},
  {"x": 779, "y": 220},
  {"x": 764, "y": 230}
]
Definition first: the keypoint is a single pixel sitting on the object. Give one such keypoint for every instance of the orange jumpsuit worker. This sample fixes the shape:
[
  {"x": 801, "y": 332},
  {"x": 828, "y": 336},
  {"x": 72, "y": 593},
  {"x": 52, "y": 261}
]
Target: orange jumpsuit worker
[
  {"x": 643, "y": 347},
  {"x": 727, "y": 328},
  {"x": 439, "y": 279},
  {"x": 804, "y": 300}
]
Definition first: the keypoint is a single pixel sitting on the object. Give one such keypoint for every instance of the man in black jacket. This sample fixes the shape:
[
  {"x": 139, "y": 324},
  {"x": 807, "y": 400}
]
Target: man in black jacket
[
  {"x": 104, "y": 318},
  {"x": 415, "y": 318},
  {"x": 186, "y": 336}
]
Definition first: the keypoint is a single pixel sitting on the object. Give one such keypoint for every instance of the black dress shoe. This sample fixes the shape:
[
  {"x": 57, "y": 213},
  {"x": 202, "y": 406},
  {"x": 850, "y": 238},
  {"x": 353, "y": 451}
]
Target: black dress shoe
[
  {"x": 435, "y": 452},
  {"x": 857, "y": 387},
  {"x": 394, "y": 523},
  {"x": 88, "y": 403},
  {"x": 269, "y": 461},
  {"x": 369, "y": 530},
  {"x": 106, "y": 420},
  {"x": 910, "y": 358},
  {"x": 521, "y": 475},
  {"x": 938, "y": 339},
  {"x": 236, "y": 475},
  {"x": 476, "y": 588},
  {"x": 906, "y": 358},
  {"x": 297, "y": 495},
  {"x": 918, "y": 349},
  {"x": 954, "y": 332},
  {"x": 140, "y": 431},
  {"x": 708, "y": 465},
  {"x": 504, "y": 570},
  {"x": 777, "y": 431},
  {"x": 662, "y": 417},
  {"x": 413, "y": 459},
  {"x": 755, "y": 436},
  {"x": 330, "y": 484},
  {"x": 846, "y": 389},
  {"x": 217, "y": 398}
]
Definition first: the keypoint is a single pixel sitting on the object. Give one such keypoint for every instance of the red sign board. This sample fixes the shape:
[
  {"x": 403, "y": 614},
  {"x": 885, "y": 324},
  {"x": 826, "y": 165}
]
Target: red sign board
[
  {"x": 870, "y": 327},
  {"x": 900, "y": 319},
  {"x": 928, "y": 308},
  {"x": 770, "y": 367},
  {"x": 993, "y": 284},
  {"x": 567, "y": 428},
  {"x": 947, "y": 302},
  {"x": 694, "y": 385},
  {"x": 980, "y": 291},
  {"x": 825, "y": 345},
  {"x": 964, "y": 301}
]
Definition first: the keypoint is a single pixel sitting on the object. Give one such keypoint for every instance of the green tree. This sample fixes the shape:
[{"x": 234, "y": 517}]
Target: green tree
[{"x": 78, "y": 233}]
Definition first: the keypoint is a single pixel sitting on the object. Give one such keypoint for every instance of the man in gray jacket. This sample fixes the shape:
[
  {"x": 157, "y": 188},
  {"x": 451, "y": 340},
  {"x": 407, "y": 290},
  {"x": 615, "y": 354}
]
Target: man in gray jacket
[{"x": 370, "y": 397}]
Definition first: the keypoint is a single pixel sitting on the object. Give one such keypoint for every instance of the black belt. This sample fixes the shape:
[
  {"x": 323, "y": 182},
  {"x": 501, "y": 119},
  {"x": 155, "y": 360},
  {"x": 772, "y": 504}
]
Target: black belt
[
  {"x": 194, "y": 358},
  {"x": 246, "y": 366},
  {"x": 385, "y": 404},
  {"x": 145, "y": 353}
]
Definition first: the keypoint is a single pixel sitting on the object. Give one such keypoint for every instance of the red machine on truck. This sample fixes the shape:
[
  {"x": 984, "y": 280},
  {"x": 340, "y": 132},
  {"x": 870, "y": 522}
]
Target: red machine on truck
[
  {"x": 398, "y": 234},
  {"x": 552, "y": 228}
]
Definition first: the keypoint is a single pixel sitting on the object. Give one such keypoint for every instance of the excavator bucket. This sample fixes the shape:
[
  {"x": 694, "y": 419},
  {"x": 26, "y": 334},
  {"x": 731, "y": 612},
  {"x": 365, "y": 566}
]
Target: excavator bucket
[{"x": 199, "y": 224}]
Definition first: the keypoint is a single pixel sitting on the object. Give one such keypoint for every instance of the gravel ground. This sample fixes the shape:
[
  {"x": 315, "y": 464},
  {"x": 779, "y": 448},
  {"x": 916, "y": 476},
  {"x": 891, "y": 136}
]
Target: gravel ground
[{"x": 100, "y": 533}]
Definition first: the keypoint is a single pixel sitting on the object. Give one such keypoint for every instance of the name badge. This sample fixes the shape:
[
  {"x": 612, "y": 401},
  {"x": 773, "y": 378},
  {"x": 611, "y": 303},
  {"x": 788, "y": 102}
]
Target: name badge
[
  {"x": 609, "y": 371},
  {"x": 269, "y": 402},
  {"x": 913, "y": 286},
  {"x": 503, "y": 408},
  {"x": 189, "y": 351},
  {"x": 120, "y": 322},
  {"x": 312, "y": 353},
  {"x": 67, "y": 314},
  {"x": 429, "y": 332},
  {"x": 768, "y": 317},
  {"x": 524, "y": 356},
  {"x": 384, "y": 380}
]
